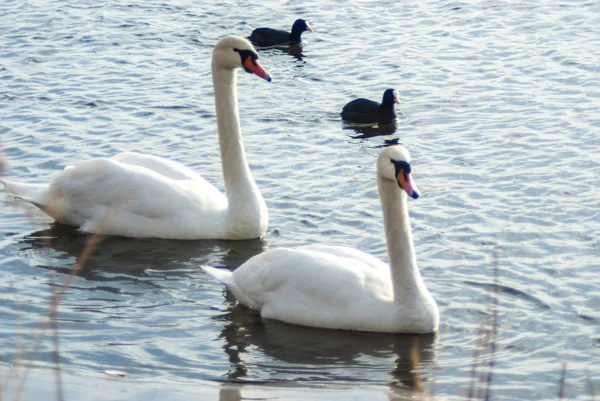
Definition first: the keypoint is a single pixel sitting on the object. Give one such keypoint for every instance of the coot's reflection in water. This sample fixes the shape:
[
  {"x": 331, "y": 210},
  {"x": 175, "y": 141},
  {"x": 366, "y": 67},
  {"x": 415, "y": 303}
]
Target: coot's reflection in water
[
  {"x": 133, "y": 257},
  {"x": 366, "y": 131},
  {"x": 298, "y": 353},
  {"x": 294, "y": 50}
]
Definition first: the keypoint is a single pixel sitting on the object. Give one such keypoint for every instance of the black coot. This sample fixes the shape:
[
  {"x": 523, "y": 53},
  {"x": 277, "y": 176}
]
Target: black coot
[
  {"x": 365, "y": 111},
  {"x": 265, "y": 37}
]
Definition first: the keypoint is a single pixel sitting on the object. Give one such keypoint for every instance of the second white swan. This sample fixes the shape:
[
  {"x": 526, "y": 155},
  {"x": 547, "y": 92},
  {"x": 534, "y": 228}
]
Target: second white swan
[
  {"x": 338, "y": 287},
  {"x": 138, "y": 195}
]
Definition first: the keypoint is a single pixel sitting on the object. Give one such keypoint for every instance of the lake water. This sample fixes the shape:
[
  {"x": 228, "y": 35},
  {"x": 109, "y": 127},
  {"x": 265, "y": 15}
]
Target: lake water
[{"x": 500, "y": 110}]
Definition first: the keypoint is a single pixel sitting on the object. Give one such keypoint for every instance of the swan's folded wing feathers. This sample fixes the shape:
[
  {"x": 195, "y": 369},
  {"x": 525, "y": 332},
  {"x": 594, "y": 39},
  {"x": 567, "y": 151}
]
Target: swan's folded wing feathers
[
  {"x": 165, "y": 167},
  {"x": 318, "y": 279},
  {"x": 97, "y": 179},
  {"x": 258, "y": 277},
  {"x": 88, "y": 187},
  {"x": 366, "y": 260}
]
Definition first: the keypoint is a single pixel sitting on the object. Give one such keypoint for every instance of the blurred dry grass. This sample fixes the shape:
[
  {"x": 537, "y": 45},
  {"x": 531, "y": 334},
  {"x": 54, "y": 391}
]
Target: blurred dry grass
[
  {"x": 3, "y": 161},
  {"x": 480, "y": 387},
  {"x": 49, "y": 322}
]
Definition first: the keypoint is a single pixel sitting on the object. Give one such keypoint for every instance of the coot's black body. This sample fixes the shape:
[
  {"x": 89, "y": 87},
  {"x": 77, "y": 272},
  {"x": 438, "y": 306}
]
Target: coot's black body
[
  {"x": 266, "y": 37},
  {"x": 365, "y": 111}
]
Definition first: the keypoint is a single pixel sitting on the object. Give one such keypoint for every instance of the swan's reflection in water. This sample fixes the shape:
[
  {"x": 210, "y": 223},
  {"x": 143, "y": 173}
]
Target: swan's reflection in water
[
  {"x": 258, "y": 351},
  {"x": 133, "y": 257},
  {"x": 240, "y": 392},
  {"x": 295, "y": 354}
]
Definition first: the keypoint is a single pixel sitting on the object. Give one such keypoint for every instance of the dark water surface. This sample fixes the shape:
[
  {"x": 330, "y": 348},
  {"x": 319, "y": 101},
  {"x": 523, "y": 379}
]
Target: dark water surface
[{"x": 500, "y": 110}]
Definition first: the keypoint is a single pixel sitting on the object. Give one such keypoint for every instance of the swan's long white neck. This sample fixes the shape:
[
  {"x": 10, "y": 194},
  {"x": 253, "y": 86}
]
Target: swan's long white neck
[
  {"x": 406, "y": 278},
  {"x": 242, "y": 193}
]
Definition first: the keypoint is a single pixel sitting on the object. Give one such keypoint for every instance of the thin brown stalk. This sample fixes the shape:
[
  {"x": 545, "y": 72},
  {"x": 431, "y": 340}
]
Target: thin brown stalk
[
  {"x": 52, "y": 320},
  {"x": 561, "y": 388},
  {"x": 56, "y": 354},
  {"x": 3, "y": 168},
  {"x": 486, "y": 346},
  {"x": 41, "y": 328},
  {"x": 57, "y": 296},
  {"x": 433, "y": 382},
  {"x": 29, "y": 365},
  {"x": 589, "y": 385},
  {"x": 494, "y": 333},
  {"x": 18, "y": 354},
  {"x": 476, "y": 353},
  {"x": 480, "y": 386}
]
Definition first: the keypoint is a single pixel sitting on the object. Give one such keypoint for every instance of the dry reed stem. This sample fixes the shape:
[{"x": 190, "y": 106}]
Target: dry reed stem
[
  {"x": 40, "y": 326},
  {"x": 480, "y": 386},
  {"x": 57, "y": 295},
  {"x": 590, "y": 385},
  {"x": 3, "y": 168},
  {"x": 494, "y": 334},
  {"x": 18, "y": 346},
  {"x": 476, "y": 353},
  {"x": 54, "y": 302},
  {"x": 561, "y": 388},
  {"x": 432, "y": 390},
  {"x": 52, "y": 315},
  {"x": 53, "y": 320},
  {"x": 56, "y": 354}
]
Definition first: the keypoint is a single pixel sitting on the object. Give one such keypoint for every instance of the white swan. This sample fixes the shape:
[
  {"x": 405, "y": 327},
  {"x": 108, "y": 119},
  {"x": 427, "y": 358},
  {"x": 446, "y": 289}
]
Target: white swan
[
  {"x": 343, "y": 288},
  {"x": 137, "y": 195}
]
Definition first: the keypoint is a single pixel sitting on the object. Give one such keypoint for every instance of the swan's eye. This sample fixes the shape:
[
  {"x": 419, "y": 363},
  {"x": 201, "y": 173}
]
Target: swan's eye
[
  {"x": 246, "y": 53},
  {"x": 248, "y": 59},
  {"x": 401, "y": 165},
  {"x": 402, "y": 171}
]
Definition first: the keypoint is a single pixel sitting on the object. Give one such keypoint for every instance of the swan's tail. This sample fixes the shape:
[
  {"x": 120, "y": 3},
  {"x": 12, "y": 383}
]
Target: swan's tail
[
  {"x": 223, "y": 275},
  {"x": 34, "y": 193}
]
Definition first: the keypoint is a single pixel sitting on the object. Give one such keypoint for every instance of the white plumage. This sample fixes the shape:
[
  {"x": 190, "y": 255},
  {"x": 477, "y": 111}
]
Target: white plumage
[
  {"x": 139, "y": 195},
  {"x": 343, "y": 288}
]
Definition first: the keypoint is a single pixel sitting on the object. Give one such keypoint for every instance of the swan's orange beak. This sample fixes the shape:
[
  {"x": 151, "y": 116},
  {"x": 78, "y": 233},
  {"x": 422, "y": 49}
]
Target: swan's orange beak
[
  {"x": 406, "y": 183},
  {"x": 253, "y": 66}
]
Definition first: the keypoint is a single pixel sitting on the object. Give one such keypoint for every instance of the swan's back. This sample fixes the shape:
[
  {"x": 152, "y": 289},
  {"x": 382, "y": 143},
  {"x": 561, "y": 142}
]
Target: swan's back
[{"x": 162, "y": 166}]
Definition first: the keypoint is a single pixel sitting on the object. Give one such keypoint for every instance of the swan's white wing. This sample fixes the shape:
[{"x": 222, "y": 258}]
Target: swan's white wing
[
  {"x": 323, "y": 286},
  {"x": 134, "y": 200},
  {"x": 343, "y": 252},
  {"x": 166, "y": 167}
]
